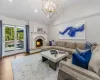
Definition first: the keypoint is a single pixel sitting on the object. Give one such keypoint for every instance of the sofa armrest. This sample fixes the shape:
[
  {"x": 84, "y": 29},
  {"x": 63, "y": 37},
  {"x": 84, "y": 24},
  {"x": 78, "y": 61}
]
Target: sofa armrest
[{"x": 80, "y": 70}]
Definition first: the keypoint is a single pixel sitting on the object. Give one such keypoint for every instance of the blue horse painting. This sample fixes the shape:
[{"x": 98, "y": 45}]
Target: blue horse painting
[{"x": 72, "y": 31}]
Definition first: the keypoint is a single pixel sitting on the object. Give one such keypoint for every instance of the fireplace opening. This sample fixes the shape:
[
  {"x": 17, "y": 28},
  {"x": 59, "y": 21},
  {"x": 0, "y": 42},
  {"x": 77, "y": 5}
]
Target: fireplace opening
[{"x": 39, "y": 43}]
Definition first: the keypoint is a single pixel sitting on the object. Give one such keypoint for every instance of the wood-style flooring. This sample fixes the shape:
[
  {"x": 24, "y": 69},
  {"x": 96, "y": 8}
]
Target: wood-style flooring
[{"x": 5, "y": 66}]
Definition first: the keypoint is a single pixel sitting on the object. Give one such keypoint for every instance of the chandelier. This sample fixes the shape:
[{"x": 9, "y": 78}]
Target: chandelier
[{"x": 49, "y": 7}]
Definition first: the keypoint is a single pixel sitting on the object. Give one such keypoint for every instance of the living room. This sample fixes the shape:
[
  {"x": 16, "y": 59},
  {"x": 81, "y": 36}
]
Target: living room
[{"x": 41, "y": 39}]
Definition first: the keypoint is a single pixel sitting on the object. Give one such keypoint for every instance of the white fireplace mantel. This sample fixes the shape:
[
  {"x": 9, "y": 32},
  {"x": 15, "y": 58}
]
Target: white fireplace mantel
[{"x": 34, "y": 33}]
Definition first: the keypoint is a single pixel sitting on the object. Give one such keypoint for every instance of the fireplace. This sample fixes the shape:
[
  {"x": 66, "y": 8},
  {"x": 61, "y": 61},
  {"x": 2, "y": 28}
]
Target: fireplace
[{"x": 39, "y": 43}]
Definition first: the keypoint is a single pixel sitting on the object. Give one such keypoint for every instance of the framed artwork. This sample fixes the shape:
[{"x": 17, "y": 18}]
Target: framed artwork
[{"x": 75, "y": 31}]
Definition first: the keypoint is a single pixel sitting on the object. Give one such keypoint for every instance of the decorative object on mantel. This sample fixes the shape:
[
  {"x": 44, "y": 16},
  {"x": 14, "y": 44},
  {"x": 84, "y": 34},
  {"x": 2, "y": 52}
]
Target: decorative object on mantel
[
  {"x": 39, "y": 29},
  {"x": 49, "y": 7}
]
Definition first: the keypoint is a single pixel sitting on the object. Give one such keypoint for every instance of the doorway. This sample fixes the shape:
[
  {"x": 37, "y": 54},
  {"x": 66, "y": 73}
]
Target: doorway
[{"x": 13, "y": 40}]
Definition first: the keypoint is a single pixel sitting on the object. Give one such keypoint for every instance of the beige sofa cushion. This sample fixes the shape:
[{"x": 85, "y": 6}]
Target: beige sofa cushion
[
  {"x": 61, "y": 43},
  {"x": 80, "y": 45},
  {"x": 46, "y": 48},
  {"x": 46, "y": 44},
  {"x": 94, "y": 64},
  {"x": 64, "y": 49},
  {"x": 71, "y": 45}
]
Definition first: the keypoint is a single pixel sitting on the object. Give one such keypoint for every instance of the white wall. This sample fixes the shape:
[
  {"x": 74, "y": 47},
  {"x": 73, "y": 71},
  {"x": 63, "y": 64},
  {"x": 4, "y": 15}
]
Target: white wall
[
  {"x": 12, "y": 21},
  {"x": 80, "y": 10},
  {"x": 34, "y": 34},
  {"x": 90, "y": 12},
  {"x": 32, "y": 24}
]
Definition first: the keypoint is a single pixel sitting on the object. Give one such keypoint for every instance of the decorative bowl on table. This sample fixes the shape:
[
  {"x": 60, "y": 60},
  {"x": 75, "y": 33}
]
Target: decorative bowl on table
[{"x": 54, "y": 52}]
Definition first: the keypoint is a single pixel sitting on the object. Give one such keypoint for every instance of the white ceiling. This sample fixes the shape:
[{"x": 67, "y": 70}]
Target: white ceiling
[{"x": 24, "y": 9}]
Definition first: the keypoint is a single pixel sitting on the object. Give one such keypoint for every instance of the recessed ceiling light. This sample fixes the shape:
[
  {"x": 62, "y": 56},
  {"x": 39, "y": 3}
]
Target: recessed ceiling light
[
  {"x": 35, "y": 10},
  {"x": 10, "y": 0}
]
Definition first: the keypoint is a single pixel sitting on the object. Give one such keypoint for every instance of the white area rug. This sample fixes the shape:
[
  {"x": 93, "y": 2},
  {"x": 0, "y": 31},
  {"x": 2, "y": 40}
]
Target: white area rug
[{"x": 32, "y": 68}]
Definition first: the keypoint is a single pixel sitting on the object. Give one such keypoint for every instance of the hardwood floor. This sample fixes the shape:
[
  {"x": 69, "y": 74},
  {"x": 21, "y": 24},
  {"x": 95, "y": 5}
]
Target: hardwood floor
[{"x": 5, "y": 66}]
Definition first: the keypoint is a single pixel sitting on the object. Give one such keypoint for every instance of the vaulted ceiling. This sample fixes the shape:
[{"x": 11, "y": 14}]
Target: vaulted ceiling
[{"x": 24, "y": 9}]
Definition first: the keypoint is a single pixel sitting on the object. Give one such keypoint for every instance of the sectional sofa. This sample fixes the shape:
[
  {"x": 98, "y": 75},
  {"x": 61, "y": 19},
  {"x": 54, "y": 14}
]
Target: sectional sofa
[
  {"x": 68, "y": 71},
  {"x": 65, "y": 46}
]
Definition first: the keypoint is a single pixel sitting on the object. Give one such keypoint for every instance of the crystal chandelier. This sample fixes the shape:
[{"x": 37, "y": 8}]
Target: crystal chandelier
[{"x": 49, "y": 7}]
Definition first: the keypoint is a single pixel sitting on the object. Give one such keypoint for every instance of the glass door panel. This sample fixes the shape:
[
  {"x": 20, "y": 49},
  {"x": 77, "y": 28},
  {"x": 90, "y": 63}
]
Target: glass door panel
[
  {"x": 13, "y": 40},
  {"x": 9, "y": 39},
  {"x": 20, "y": 38}
]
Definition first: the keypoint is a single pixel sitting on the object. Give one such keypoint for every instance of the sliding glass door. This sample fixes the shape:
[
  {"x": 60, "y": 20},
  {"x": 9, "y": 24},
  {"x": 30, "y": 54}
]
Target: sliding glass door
[
  {"x": 13, "y": 39},
  {"x": 20, "y": 38}
]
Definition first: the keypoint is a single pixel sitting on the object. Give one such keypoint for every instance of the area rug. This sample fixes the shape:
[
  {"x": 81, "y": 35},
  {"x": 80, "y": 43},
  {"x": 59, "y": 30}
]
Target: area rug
[{"x": 32, "y": 68}]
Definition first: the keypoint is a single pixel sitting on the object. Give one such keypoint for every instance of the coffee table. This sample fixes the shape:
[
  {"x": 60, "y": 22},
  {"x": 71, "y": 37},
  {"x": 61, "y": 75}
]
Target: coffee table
[{"x": 52, "y": 59}]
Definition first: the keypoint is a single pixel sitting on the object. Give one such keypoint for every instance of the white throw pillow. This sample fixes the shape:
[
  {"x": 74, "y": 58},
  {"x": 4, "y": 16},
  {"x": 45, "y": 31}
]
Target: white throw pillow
[
  {"x": 53, "y": 43},
  {"x": 94, "y": 64}
]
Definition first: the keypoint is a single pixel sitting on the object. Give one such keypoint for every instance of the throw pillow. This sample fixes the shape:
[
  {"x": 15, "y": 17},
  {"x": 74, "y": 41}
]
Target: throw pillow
[
  {"x": 52, "y": 43},
  {"x": 80, "y": 52},
  {"x": 94, "y": 63},
  {"x": 88, "y": 45},
  {"x": 82, "y": 60}
]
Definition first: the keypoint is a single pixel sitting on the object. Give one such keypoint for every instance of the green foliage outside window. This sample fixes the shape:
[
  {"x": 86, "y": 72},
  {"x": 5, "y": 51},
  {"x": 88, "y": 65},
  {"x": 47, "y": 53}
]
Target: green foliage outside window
[
  {"x": 9, "y": 34},
  {"x": 20, "y": 35}
]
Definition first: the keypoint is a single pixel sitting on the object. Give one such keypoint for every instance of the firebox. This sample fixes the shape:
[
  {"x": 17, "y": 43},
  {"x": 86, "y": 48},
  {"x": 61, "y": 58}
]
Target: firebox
[{"x": 39, "y": 43}]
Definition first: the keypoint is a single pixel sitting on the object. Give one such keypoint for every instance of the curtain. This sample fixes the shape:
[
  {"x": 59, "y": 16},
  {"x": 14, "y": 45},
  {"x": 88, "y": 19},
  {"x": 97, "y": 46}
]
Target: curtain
[
  {"x": 27, "y": 39},
  {"x": 0, "y": 38}
]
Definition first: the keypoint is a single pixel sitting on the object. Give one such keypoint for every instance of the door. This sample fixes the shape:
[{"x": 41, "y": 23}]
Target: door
[
  {"x": 13, "y": 40},
  {"x": 20, "y": 39}
]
